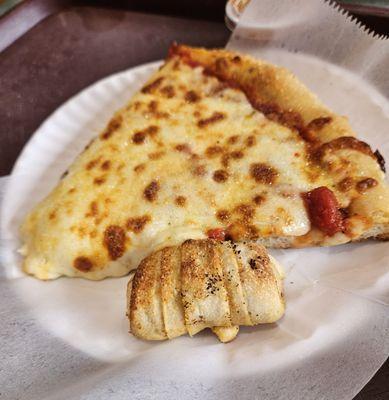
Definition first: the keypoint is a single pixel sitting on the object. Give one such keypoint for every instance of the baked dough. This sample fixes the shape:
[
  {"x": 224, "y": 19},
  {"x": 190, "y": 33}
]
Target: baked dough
[{"x": 204, "y": 284}]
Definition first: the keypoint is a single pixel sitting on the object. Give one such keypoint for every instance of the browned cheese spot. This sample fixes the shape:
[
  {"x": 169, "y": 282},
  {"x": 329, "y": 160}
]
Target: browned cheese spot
[
  {"x": 53, "y": 215},
  {"x": 184, "y": 148},
  {"x": 137, "y": 224},
  {"x": 191, "y": 96},
  {"x": 215, "y": 117},
  {"x": 365, "y": 184},
  {"x": 114, "y": 240},
  {"x": 247, "y": 211},
  {"x": 137, "y": 105},
  {"x": 93, "y": 209},
  {"x": 151, "y": 87},
  {"x": 91, "y": 164},
  {"x": 139, "y": 167},
  {"x": 220, "y": 175},
  {"x": 99, "y": 181},
  {"x": 152, "y": 130},
  {"x": 258, "y": 199},
  {"x": 151, "y": 191},
  {"x": 112, "y": 126},
  {"x": 233, "y": 139},
  {"x": 195, "y": 157},
  {"x": 250, "y": 141},
  {"x": 140, "y": 136},
  {"x": 180, "y": 201},
  {"x": 237, "y": 154},
  {"x": 213, "y": 151},
  {"x": 223, "y": 215},
  {"x": 106, "y": 165},
  {"x": 83, "y": 264},
  {"x": 81, "y": 231},
  {"x": 345, "y": 184},
  {"x": 225, "y": 160},
  {"x": 199, "y": 170},
  {"x": 72, "y": 190},
  {"x": 263, "y": 173},
  {"x": 153, "y": 107},
  {"x": 168, "y": 91},
  {"x": 156, "y": 155}
]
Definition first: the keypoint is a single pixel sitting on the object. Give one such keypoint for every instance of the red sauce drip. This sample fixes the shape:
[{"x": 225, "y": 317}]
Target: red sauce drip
[
  {"x": 217, "y": 234},
  {"x": 323, "y": 210}
]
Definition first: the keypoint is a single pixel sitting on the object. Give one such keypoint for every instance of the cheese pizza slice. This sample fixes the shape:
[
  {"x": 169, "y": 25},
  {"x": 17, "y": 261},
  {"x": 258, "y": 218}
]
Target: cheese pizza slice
[{"x": 216, "y": 144}]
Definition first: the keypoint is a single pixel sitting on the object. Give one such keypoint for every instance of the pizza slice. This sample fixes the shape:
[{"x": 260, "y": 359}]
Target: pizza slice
[{"x": 216, "y": 144}]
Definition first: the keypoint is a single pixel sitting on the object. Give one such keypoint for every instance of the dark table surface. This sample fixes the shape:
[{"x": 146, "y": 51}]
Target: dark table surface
[{"x": 50, "y": 50}]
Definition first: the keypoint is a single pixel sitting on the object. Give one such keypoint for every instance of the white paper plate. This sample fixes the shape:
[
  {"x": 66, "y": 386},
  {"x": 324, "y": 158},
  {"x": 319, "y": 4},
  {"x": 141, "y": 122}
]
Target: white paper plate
[{"x": 336, "y": 297}]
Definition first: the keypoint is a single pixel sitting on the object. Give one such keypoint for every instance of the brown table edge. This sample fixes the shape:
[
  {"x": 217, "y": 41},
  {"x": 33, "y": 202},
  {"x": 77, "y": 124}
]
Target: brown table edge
[{"x": 25, "y": 15}]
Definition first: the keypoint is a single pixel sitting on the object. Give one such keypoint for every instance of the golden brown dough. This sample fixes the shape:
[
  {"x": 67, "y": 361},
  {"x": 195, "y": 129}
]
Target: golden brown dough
[
  {"x": 204, "y": 284},
  {"x": 172, "y": 309},
  {"x": 204, "y": 295},
  {"x": 146, "y": 301}
]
